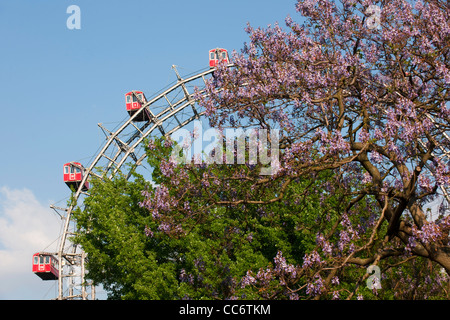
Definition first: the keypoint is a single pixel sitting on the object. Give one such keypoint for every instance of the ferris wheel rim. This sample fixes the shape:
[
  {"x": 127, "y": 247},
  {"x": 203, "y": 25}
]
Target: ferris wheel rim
[{"x": 157, "y": 121}]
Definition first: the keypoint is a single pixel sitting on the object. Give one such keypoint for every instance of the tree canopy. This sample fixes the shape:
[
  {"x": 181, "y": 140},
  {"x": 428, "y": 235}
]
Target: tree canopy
[{"x": 135, "y": 253}]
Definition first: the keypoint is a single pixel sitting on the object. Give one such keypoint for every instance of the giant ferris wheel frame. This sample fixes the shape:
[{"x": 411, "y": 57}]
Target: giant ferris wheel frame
[{"x": 170, "y": 110}]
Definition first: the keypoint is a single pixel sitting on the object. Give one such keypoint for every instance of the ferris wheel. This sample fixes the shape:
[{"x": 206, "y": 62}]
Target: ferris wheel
[{"x": 161, "y": 115}]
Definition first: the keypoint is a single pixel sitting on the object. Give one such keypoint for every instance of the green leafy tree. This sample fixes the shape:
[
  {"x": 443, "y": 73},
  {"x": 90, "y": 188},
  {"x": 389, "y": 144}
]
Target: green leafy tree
[
  {"x": 120, "y": 256},
  {"x": 136, "y": 254}
]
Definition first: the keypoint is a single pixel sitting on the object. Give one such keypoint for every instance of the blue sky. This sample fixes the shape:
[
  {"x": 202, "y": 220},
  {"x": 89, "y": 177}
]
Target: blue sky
[{"x": 56, "y": 84}]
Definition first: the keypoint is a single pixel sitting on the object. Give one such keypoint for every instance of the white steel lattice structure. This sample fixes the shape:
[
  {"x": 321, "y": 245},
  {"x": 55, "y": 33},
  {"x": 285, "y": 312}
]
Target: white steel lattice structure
[{"x": 169, "y": 111}]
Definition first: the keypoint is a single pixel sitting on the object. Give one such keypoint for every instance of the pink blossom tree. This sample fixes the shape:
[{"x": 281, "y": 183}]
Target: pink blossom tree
[{"x": 361, "y": 89}]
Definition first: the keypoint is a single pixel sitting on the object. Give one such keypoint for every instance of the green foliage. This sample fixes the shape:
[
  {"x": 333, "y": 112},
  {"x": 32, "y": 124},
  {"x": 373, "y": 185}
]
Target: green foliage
[
  {"x": 120, "y": 256},
  {"x": 206, "y": 262}
]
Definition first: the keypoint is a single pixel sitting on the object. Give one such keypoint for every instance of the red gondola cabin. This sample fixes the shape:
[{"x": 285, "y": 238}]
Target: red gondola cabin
[
  {"x": 45, "y": 266},
  {"x": 216, "y": 55},
  {"x": 73, "y": 176},
  {"x": 134, "y": 101}
]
